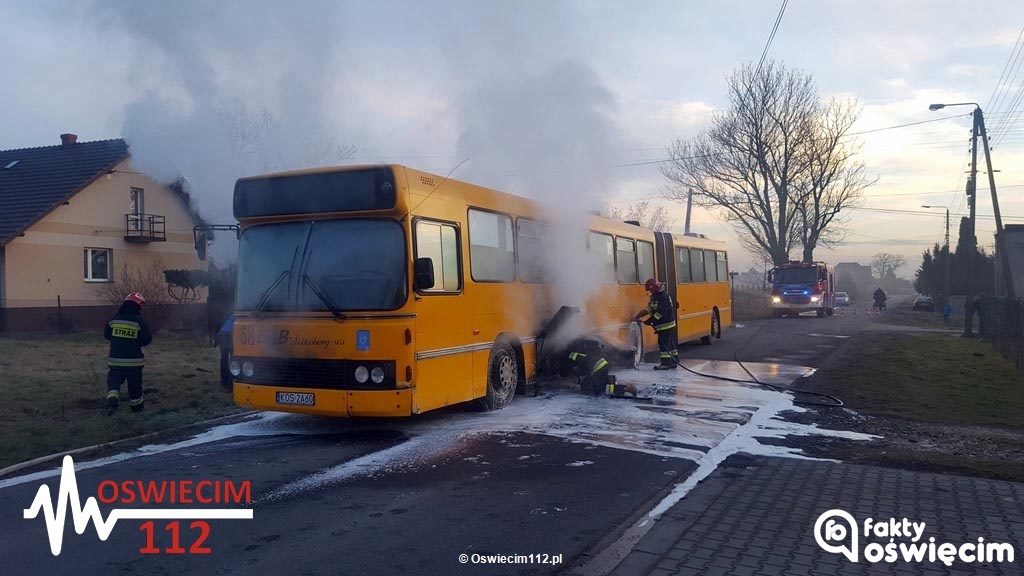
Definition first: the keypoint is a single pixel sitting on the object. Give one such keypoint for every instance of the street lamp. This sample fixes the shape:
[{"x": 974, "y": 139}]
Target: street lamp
[
  {"x": 979, "y": 130},
  {"x": 948, "y": 254}
]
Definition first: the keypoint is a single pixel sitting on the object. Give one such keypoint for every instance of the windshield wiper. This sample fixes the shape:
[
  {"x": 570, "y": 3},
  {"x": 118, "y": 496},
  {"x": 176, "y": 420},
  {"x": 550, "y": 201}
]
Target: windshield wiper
[
  {"x": 323, "y": 298},
  {"x": 270, "y": 290}
]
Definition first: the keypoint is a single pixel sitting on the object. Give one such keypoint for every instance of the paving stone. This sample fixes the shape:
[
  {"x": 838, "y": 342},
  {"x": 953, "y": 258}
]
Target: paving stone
[{"x": 755, "y": 515}]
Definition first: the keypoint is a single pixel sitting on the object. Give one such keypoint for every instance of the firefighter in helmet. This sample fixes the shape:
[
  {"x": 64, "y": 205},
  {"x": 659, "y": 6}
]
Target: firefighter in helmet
[
  {"x": 661, "y": 314},
  {"x": 591, "y": 368},
  {"x": 128, "y": 333}
]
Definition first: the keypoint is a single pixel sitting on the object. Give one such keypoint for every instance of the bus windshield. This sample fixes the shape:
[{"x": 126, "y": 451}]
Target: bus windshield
[
  {"x": 354, "y": 264},
  {"x": 796, "y": 275}
]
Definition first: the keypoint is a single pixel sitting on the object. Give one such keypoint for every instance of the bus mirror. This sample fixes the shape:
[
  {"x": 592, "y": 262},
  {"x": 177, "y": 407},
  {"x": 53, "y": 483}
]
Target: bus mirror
[
  {"x": 423, "y": 270},
  {"x": 201, "y": 241}
]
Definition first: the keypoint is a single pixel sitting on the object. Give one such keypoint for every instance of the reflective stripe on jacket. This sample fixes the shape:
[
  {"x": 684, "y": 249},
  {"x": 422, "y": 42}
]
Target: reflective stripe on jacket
[
  {"x": 127, "y": 334},
  {"x": 663, "y": 312}
]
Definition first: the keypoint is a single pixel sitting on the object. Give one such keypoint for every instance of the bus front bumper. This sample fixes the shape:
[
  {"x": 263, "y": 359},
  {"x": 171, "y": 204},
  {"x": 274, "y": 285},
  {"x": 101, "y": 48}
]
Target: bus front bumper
[{"x": 343, "y": 403}]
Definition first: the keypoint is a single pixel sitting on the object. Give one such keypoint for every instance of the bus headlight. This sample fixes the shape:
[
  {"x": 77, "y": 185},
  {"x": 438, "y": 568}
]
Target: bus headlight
[
  {"x": 815, "y": 298},
  {"x": 235, "y": 368},
  {"x": 377, "y": 375},
  {"x": 247, "y": 369},
  {"x": 776, "y": 299},
  {"x": 362, "y": 374}
]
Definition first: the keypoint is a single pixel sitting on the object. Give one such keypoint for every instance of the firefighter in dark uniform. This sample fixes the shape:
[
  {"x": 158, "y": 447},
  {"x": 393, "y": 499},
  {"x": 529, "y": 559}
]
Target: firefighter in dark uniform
[
  {"x": 591, "y": 368},
  {"x": 661, "y": 314},
  {"x": 128, "y": 333}
]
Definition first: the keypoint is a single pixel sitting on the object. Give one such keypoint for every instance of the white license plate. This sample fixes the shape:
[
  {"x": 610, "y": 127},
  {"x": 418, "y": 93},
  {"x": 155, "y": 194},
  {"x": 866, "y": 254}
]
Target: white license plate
[{"x": 295, "y": 398}]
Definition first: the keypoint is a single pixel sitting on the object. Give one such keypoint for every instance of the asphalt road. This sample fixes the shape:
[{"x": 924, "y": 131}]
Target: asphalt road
[
  {"x": 557, "y": 475},
  {"x": 804, "y": 340}
]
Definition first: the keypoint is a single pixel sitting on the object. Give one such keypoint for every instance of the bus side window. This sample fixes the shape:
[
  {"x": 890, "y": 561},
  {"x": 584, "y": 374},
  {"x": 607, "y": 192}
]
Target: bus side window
[
  {"x": 491, "y": 247},
  {"x": 683, "y": 275},
  {"x": 531, "y": 254},
  {"x": 645, "y": 260},
  {"x": 625, "y": 261},
  {"x": 711, "y": 266},
  {"x": 440, "y": 243},
  {"x": 602, "y": 255},
  {"x": 697, "y": 264},
  {"x": 723, "y": 266}
]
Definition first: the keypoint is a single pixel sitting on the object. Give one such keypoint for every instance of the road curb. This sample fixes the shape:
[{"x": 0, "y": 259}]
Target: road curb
[{"x": 44, "y": 459}]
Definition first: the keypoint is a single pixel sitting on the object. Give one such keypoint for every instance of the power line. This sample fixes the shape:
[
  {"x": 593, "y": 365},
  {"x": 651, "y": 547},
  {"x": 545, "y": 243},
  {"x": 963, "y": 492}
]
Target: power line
[
  {"x": 893, "y": 127},
  {"x": 992, "y": 99},
  {"x": 768, "y": 44}
]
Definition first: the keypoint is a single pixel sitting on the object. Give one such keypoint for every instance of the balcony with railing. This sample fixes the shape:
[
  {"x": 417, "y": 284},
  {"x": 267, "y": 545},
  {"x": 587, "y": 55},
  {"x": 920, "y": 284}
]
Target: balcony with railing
[{"x": 145, "y": 228}]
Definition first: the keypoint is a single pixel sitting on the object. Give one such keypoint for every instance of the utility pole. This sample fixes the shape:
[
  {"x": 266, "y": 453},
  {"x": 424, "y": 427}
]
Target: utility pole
[
  {"x": 949, "y": 256},
  {"x": 1001, "y": 251},
  {"x": 972, "y": 186},
  {"x": 689, "y": 208},
  {"x": 947, "y": 288}
]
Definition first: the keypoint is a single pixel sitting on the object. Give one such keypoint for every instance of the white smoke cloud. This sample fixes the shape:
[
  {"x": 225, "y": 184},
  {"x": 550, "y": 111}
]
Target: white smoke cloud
[{"x": 249, "y": 87}]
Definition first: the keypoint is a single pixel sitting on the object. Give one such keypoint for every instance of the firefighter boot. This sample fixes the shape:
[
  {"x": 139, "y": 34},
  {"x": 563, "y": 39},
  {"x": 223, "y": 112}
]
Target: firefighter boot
[
  {"x": 137, "y": 404},
  {"x": 111, "y": 403}
]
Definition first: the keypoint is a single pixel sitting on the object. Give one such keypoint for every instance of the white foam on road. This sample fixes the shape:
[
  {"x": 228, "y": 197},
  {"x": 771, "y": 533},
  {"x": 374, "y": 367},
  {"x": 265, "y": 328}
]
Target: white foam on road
[{"x": 692, "y": 417}]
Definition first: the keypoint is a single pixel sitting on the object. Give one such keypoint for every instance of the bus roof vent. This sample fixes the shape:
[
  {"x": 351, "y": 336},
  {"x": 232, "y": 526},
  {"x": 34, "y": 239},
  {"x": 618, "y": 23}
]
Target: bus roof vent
[{"x": 633, "y": 222}]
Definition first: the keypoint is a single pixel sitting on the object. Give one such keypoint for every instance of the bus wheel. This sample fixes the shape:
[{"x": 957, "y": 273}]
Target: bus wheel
[
  {"x": 636, "y": 342},
  {"x": 715, "y": 330},
  {"x": 502, "y": 378}
]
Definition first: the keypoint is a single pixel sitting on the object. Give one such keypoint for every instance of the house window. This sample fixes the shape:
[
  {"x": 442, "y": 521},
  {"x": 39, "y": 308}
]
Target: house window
[
  {"x": 138, "y": 201},
  {"x": 97, "y": 264},
  {"x": 136, "y": 208}
]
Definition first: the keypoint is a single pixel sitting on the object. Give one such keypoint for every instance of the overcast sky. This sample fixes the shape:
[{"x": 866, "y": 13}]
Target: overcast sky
[{"x": 540, "y": 96}]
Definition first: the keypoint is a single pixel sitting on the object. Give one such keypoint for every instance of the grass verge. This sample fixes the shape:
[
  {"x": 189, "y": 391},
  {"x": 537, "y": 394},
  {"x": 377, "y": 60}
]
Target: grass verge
[
  {"x": 54, "y": 389},
  {"x": 940, "y": 402}
]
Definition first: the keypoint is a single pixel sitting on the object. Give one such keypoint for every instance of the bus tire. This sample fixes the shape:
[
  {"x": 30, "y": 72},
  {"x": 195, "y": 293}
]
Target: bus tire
[
  {"x": 636, "y": 342},
  {"x": 716, "y": 330},
  {"x": 502, "y": 378}
]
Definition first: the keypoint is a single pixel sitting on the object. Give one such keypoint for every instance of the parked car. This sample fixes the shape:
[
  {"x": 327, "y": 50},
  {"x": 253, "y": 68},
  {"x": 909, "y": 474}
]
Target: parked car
[
  {"x": 926, "y": 303},
  {"x": 842, "y": 299}
]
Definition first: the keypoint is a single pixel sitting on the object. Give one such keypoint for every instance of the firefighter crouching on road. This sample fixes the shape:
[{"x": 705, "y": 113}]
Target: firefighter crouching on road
[
  {"x": 128, "y": 333},
  {"x": 590, "y": 366},
  {"x": 661, "y": 313}
]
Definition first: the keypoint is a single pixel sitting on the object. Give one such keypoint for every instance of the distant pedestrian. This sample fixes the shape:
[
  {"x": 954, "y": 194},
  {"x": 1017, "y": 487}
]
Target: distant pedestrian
[
  {"x": 223, "y": 341},
  {"x": 947, "y": 311},
  {"x": 127, "y": 333}
]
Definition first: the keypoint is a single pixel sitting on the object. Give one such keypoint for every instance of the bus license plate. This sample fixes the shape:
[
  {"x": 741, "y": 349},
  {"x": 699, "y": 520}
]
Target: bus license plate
[{"x": 295, "y": 398}]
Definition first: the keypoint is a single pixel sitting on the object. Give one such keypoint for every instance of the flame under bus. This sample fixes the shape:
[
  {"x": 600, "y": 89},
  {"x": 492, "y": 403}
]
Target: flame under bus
[{"x": 376, "y": 291}]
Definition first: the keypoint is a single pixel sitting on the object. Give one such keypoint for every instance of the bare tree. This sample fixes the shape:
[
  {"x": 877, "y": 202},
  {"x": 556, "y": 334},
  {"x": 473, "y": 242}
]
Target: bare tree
[
  {"x": 833, "y": 179},
  {"x": 761, "y": 167},
  {"x": 885, "y": 264},
  {"x": 643, "y": 211},
  {"x": 148, "y": 280},
  {"x": 249, "y": 133}
]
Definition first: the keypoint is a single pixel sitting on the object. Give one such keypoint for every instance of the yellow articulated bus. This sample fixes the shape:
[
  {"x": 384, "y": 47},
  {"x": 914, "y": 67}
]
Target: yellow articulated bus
[{"x": 386, "y": 291}]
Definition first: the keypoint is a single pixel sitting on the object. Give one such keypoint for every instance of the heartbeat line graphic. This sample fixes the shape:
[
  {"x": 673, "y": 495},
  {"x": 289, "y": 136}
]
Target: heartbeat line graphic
[{"x": 67, "y": 496}]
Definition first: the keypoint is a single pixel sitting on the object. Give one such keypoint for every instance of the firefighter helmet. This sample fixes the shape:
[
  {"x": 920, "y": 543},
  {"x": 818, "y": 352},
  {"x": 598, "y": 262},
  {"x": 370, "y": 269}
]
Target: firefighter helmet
[
  {"x": 651, "y": 285},
  {"x": 137, "y": 298}
]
